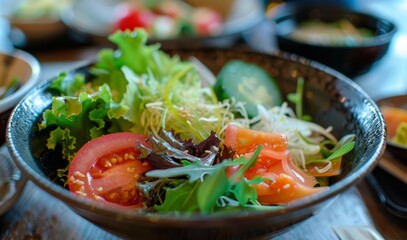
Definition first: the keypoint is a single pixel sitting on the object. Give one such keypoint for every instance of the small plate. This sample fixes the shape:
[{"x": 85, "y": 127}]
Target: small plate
[
  {"x": 398, "y": 101},
  {"x": 12, "y": 181}
]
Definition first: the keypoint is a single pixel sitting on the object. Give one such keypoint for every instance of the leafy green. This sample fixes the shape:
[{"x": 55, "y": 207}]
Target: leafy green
[
  {"x": 77, "y": 120},
  {"x": 69, "y": 85},
  {"x": 210, "y": 190},
  {"x": 183, "y": 198},
  {"x": 168, "y": 150},
  {"x": 207, "y": 186},
  {"x": 136, "y": 88},
  {"x": 342, "y": 147},
  {"x": 297, "y": 99}
]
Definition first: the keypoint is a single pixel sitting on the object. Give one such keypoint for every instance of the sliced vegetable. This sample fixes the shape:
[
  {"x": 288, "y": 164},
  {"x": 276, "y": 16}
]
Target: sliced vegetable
[
  {"x": 245, "y": 140},
  {"x": 331, "y": 165},
  {"x": 247, "y": 83},
  {"x": 284, "y": 182},
  {"x": 107, "y": 169}
]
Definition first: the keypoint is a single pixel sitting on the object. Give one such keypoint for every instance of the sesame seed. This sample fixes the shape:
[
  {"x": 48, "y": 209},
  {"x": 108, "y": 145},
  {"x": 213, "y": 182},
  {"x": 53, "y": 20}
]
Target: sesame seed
[
  {"x": 145, "y": 164},
  {"x": 107, "y": 164},
  {"x": 113, "y": 160},
  {"x": 81, "y": 193},
  {"x": 99, "y": 189},
  {"x": 78, "y": 174},
  {"x": 79, "y": 182},
  {"x": 287, "y": 186}
]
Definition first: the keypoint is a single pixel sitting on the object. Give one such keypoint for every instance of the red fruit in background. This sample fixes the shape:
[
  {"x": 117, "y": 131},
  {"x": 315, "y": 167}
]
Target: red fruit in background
[{"x": 130, "y": 18}]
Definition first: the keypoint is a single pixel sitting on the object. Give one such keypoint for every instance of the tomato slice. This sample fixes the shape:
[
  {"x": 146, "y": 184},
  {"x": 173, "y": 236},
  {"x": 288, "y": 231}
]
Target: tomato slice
[
  {"x": 246, "y": 140},
  {"x": 107, "y": 169},
  {"x": 282, "y": 189},
  {"x": 287, "y": 182}
]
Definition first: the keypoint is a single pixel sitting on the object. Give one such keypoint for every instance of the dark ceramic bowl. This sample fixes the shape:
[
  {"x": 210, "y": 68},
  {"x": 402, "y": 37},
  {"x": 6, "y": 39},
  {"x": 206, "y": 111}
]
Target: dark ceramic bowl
[
  {"x": 330, "y": 98},
  {"x": 349, "y": 59},
  {"x": 399, "y": 101}
]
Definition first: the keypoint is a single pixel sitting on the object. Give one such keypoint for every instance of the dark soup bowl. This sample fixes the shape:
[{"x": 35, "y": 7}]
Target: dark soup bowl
[
  {"x": 348, "y": 41},
  {"x": 330, "y": 98}
]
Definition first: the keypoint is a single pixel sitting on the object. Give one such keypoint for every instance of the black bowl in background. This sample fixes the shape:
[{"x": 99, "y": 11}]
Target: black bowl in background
[
  {"x": 329, "y": 97},
  {"x": 350, "y": 60}
]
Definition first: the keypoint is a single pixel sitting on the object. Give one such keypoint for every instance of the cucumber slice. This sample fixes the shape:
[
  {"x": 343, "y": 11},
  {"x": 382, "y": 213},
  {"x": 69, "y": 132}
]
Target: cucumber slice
[{"x": 248, "y": 83}]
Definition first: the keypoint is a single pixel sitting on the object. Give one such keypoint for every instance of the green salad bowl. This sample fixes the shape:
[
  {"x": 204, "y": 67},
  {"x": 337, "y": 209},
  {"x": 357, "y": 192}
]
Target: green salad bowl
[{"x": 329, "y": 97}]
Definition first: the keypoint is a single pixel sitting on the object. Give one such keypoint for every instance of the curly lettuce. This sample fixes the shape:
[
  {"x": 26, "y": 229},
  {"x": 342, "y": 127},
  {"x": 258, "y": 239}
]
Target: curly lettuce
[{"x": 136, "y": 88}]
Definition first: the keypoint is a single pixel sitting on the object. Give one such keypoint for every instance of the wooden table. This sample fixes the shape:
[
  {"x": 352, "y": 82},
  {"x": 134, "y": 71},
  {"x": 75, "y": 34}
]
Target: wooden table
[{"x": 37, "y": 215}]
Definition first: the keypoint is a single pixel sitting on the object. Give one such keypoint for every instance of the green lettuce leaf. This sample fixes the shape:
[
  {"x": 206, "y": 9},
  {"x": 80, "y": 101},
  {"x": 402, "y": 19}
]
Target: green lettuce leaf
[
  {"x": 79, "y": 119},
  {"x": 206, "y": 188}
]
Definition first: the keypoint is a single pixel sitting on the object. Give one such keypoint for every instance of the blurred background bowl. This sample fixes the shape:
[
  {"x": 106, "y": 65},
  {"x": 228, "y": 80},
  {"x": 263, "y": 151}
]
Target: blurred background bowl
[
  {"x": 329, "y": 97},
  {"x": 34, "y": 22},
  {"x": 23, "y": 67},
  {"x": 37, "y": 31},
  {"x": 346, "y": 55},
  {"x": 94, "y": 20},
  {"x": 395, "y": 114}
]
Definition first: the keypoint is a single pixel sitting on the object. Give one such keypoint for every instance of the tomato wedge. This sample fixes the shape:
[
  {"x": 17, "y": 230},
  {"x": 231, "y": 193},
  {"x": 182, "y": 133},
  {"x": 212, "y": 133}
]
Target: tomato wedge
[
  {"x": 107, "y": 169},
  {"x": 246, "y": 140},
  {"x": 287, "y": 182}
]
